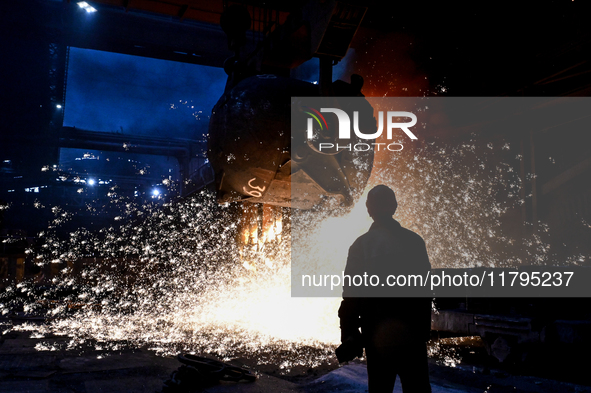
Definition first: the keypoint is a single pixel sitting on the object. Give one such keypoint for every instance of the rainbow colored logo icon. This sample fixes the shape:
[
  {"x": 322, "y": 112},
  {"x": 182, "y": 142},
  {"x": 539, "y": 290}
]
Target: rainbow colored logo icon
[{"x": 316, "y": 115}]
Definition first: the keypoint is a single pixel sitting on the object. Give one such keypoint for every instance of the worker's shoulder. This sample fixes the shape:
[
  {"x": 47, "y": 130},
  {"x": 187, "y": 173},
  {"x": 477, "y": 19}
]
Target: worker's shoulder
[
  {"x": 400, "y": 232},
  {"x": 361, "y": 241},
  {"x": 410, "y": 235}
]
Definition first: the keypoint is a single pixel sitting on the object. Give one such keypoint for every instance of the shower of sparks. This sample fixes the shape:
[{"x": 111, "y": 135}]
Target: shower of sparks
[
  {"x": 455, "y": 196},
  {"x": 173, "y": 278}
]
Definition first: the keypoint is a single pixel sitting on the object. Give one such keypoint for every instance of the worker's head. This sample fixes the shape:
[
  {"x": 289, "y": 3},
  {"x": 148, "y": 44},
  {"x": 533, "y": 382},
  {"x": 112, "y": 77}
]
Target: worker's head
[{"x": 381, "y": 202}]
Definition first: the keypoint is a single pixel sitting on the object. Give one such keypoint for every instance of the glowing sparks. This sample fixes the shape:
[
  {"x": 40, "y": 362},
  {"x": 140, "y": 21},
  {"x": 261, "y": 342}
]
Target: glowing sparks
[{"x": 198, "y": 277}]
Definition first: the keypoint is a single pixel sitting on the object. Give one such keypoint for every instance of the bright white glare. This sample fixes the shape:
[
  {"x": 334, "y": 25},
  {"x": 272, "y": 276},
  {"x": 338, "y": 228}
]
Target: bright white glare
[
  {"x": 58, "y": 106},
  {"x": 87, "y": 7},
  {"x": 91, "y": 182},
  {"x": 155, "y": 192}
]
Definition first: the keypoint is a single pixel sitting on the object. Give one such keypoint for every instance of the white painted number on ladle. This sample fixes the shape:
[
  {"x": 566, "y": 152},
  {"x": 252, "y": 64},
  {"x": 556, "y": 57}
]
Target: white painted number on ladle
[{"x": 256, "y": 192}]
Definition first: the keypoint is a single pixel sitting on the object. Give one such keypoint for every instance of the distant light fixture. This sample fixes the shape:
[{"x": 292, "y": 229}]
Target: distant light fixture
[
  {"x": 86, "y": 7},
  {"x": 58, "y": 106},
  {"x": 91, "y": 182},
  {"x": 155, "y": 192}
]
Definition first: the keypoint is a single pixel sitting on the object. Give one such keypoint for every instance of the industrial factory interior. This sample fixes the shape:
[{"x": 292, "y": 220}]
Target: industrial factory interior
[{"x": 195, "y": 196}]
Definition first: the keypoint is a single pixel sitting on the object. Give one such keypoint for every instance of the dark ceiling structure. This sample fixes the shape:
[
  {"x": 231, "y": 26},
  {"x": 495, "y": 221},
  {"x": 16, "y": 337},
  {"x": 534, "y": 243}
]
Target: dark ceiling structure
[
  {"x": 539, "y": 50},
  {"x": 492, "y": 49}
]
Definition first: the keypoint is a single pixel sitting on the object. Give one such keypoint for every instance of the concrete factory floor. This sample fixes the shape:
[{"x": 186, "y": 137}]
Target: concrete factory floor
[{"x": 28, "y": 365}]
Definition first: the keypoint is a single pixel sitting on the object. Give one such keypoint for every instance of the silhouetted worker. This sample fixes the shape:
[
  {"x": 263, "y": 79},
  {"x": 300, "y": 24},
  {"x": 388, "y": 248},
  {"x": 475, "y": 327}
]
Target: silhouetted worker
[{"x": 394, "y": 330}]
